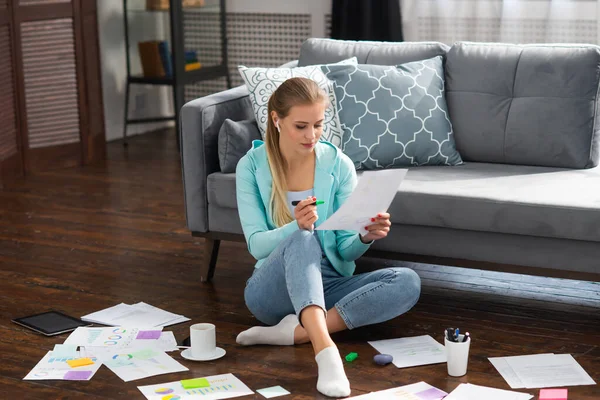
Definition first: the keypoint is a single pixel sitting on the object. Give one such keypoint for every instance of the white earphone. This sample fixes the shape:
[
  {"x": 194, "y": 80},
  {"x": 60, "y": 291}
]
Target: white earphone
[{"x": 277, "y": 126}]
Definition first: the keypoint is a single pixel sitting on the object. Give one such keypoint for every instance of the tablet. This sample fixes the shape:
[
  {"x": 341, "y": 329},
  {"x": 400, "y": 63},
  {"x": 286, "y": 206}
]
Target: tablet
[{"x": 51, "y": 323}]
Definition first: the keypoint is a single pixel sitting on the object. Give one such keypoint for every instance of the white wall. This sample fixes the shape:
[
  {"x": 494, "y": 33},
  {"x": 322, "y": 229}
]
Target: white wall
[{"x": 145, "y": 101}]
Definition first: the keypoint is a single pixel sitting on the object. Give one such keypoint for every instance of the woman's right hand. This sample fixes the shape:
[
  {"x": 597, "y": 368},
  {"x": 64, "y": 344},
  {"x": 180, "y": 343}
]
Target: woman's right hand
[{"x": 306, "y": 213}]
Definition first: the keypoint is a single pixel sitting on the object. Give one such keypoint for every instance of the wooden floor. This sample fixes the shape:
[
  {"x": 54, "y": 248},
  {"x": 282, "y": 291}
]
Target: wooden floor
[{"x": 80, "y": 240}]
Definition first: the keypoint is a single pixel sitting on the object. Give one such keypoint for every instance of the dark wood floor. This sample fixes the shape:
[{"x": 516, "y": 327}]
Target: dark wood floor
[{"x": 80, "y": 240}]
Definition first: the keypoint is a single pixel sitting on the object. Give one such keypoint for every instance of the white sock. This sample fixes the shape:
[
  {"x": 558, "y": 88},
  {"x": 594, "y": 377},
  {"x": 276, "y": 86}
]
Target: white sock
[
  {"x": 280, "y": 334},
  {"x": 332, "y": 380}
]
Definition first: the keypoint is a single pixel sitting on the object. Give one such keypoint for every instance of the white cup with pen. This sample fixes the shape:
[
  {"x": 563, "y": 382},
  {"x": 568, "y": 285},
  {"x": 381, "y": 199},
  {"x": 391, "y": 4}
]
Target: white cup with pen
[{"x": 457, "y": 351}]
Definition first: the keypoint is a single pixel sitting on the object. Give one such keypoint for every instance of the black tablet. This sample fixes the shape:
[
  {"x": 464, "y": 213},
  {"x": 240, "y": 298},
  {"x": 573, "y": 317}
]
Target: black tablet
[{"x": 51, "y": 323}]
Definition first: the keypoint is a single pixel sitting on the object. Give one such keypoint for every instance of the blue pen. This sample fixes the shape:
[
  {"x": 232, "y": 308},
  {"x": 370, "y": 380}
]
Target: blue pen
[{"x": 456, "y": 333}]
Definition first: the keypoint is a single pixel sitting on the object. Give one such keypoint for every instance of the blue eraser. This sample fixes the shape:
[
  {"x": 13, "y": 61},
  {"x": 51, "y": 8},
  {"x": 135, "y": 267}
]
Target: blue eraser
[{"x": 383, "y": 359}]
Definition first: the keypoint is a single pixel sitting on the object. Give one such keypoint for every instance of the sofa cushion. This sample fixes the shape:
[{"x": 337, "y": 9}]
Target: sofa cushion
[
  {"x": 325, "y": 51},
  {"x": 525, "y": 104},
  {"x": 394, "y": 116},
  {"x": 235, "y": 139},
  {"x": 524, "y": 200},
  {"x": 221, "y": 190},
  {"x": 262, "y": 82}
]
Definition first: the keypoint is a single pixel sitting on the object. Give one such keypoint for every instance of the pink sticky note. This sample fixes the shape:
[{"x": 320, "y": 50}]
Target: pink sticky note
[
  {"x": 432, "y": 394},
  {"x": 148, "y": 335},
  {"x": 77, "y": 375},
  {"x": 553, "y": 394}
]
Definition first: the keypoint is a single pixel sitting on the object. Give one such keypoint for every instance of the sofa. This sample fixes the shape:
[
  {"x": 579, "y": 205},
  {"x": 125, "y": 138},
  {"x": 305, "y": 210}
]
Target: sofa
[{"x": 527, "y": 197}]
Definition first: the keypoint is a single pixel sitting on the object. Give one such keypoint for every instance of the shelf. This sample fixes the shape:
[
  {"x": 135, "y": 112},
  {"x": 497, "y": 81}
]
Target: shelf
[
  {"x": 204, "y": 73},
  {"x": 212, "y": 8}
]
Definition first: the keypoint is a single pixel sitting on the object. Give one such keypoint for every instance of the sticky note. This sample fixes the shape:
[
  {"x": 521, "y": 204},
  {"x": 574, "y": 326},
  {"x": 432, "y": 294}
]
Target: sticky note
[
  {"x": 144, "y": 354},
  {"x": 553, "y": 394},
  {"x": 431, "y": 394},
  {"x": 274, "y": 391},
  {"x": 195, "y": 383},
  {"x": 77, "y": 375},
  {"x": 79, "y": 362},
  {"x": 148, "y": 335},
  {"x": 65, "y": 351}
]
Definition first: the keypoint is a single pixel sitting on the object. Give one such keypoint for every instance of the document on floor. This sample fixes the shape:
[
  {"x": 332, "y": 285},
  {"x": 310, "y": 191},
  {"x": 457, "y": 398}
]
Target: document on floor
[
  {"x": 467, "y": 391},
  {"x": 373, "y": 194},
  {"x": 139, "y": 314},
  {"x": 57, "y": 368},
  {"x": 416, "y": 391},
  {"x": 541, "y": 371},
  {"x": 131, "y": 364},
  {"x": 412, "y": 351},
  {"x": 110, "y": 337},
  {"x": 223, "y": 386},
  {"x": 166, "y": 342}
]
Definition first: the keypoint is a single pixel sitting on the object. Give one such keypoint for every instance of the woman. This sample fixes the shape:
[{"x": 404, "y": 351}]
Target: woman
[{"x": 303, "y": 285}]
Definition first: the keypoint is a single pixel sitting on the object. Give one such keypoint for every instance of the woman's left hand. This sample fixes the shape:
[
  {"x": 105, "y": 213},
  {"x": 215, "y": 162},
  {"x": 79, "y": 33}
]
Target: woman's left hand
[{"x": 378, "y": 229}]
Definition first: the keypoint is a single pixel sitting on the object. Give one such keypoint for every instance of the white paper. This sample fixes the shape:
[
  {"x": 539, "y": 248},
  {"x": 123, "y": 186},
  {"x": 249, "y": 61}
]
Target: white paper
[
  {"x": 53, "y": 368},
  {"x": 416, "y": 391},
  {"x": 224, "y": 386},
  {"x": 503, "y": 367},
  {"x": 554, "y": 371},
  {"x": 166, "y": 342},
  {"x": 134, "y": 363},
  {"x": 373, "y": 194},
  {"x": 116, "y": 337},
  {"x": 467, "y": 391},
  {"x": 412, "y": 351},
  {"x": 274, "y": 391},
  {"x": 140, "y": 314}
]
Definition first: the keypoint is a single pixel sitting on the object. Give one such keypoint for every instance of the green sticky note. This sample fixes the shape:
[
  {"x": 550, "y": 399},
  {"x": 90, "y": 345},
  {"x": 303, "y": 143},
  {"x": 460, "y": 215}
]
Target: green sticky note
[
  {"x": 195, "y": 383},
  {"x": 144, "y": 354}
]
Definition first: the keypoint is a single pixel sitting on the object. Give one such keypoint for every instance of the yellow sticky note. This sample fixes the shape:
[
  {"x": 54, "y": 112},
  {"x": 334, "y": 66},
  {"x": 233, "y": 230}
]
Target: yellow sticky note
[{"x": 80, "y": 362}]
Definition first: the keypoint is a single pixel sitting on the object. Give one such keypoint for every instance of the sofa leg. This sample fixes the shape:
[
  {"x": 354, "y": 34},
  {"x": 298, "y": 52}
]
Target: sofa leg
[{"x": 211, "y": 251}]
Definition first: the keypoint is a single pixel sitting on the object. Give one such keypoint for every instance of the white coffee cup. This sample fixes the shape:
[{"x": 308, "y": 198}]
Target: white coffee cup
[
  {"x": 203, "y": 340},
  {"x": 457, "y": 354}
]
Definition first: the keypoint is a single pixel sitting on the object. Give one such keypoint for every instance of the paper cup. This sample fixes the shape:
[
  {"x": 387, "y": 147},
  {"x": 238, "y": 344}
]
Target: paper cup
[
  {"x": 457, "y": 354},
  {"x": 203, "y": 340}
]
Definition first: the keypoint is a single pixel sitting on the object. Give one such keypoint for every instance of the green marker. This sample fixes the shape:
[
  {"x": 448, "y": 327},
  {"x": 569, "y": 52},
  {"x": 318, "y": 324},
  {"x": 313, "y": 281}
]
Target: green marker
[
  {"x": 316, "y": 203},
  {"x": 351, "y": 357}
]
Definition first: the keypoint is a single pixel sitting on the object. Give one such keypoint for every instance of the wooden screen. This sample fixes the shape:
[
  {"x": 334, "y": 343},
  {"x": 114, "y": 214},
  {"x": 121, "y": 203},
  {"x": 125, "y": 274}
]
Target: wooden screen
[
  {"x": 59, "y": 81},
  {"x": 10, "y": 156}
]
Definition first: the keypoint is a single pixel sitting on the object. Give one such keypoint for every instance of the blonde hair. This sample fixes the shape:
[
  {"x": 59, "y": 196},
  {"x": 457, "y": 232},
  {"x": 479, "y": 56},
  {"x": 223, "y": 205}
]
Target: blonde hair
[{"x": 292, "y": 92}]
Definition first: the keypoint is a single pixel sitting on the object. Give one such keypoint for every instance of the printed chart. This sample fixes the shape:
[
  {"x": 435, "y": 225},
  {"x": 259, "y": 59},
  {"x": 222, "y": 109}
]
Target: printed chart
[
  {"x": 224, "y": 386},
  {"x": 132, "y": 364},
  {"x": 51, "y": 367}
]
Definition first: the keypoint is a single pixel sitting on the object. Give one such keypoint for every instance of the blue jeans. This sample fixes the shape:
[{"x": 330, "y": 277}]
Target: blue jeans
[{"x": 297, "y": 275}]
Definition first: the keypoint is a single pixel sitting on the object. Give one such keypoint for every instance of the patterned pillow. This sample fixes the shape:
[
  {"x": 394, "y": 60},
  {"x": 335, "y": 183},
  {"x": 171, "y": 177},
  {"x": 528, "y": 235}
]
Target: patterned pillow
[
  {"x": 262, "y": 82},
  {"x": 394, "y": 116}
]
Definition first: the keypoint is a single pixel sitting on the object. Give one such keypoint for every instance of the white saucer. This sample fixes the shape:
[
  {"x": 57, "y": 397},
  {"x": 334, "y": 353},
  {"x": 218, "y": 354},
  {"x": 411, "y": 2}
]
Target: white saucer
[{"x": 187, "y": 354}]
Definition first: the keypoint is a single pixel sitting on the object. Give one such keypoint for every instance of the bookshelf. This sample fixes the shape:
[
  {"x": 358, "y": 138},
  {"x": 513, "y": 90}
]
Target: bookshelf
[{"x": 172, "y": 18}]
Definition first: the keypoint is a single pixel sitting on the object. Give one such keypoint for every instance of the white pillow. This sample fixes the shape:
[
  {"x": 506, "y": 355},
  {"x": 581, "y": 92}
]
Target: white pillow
[{"x": 262, "y": 82}]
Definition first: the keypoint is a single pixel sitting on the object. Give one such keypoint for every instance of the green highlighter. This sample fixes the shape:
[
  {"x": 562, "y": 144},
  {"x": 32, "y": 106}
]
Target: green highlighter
[{"x": 195, "y": 383}]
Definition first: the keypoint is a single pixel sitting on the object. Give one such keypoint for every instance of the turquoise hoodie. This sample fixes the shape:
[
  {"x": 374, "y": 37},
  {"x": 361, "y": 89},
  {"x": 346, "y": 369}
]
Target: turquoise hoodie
[{"x": 335, "y": 179}]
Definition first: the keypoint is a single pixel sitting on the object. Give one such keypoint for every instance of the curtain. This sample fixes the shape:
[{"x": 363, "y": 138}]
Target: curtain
[
  {"x": 377, "y": 20},
  {"x": 508, "y": 21}
]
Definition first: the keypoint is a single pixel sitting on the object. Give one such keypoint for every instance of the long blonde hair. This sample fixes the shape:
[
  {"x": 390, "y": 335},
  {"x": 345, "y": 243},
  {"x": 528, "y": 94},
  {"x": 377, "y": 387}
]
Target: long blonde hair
[{"x": 292, "y": 92}]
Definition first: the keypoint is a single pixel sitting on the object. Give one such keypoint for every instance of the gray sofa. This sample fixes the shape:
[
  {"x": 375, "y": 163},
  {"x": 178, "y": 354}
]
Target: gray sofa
[{"x": 527, "y": 198}]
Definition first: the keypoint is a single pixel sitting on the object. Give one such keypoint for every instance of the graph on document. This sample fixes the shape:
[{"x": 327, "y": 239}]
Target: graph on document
[{"x": 210, "y": 390}]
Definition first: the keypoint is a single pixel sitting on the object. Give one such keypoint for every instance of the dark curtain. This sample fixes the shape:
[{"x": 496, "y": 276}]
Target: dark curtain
[{"x": 376, "y": 20}]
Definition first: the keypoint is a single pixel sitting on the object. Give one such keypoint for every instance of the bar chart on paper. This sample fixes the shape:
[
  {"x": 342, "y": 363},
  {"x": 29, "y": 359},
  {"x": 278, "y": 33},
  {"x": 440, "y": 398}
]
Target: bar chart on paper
[
  {"x": 210, "y": 390},
  {"x": 223, "y": 386}
]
